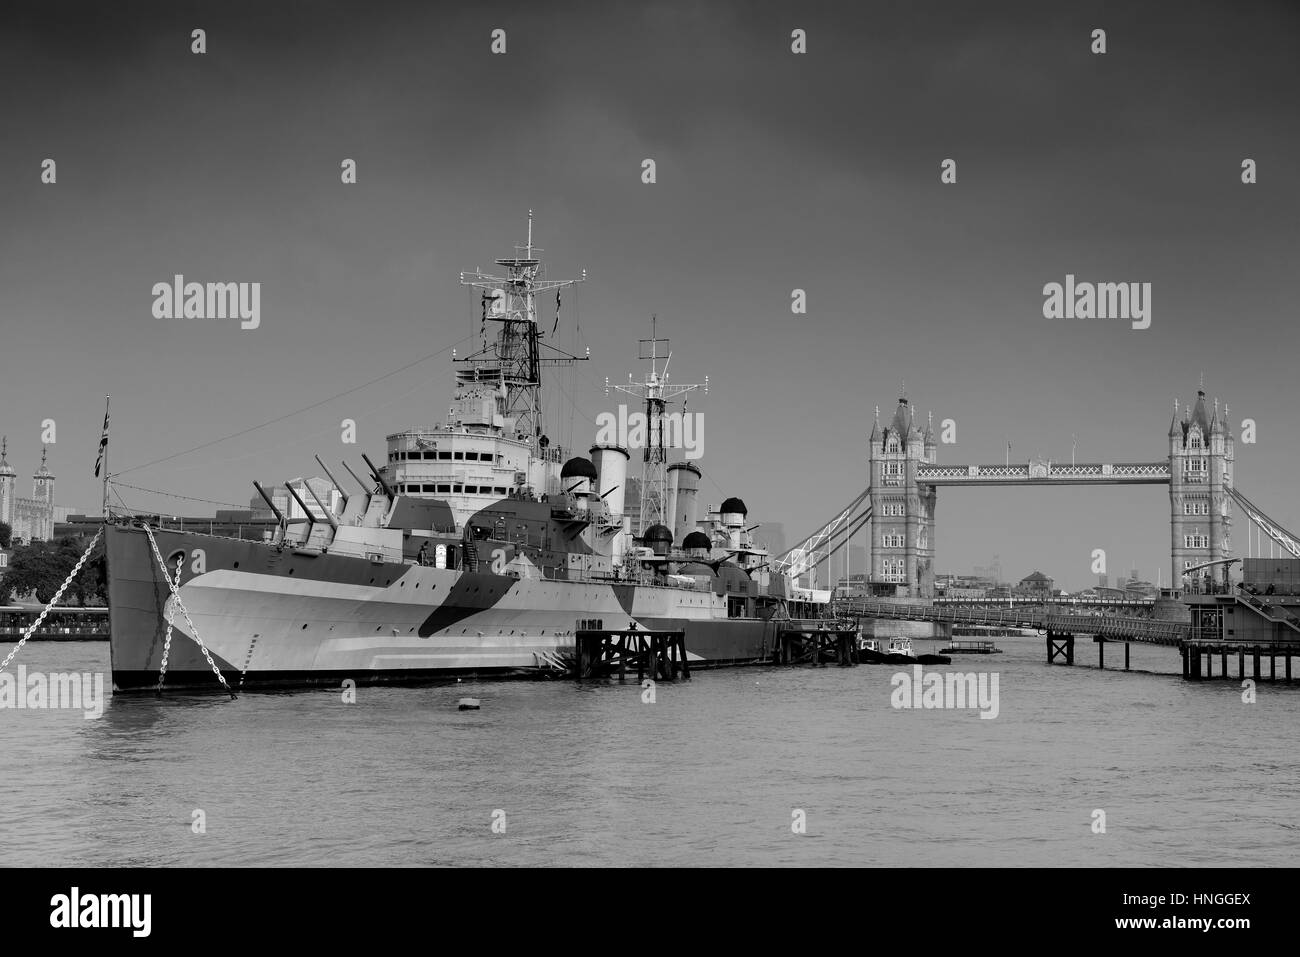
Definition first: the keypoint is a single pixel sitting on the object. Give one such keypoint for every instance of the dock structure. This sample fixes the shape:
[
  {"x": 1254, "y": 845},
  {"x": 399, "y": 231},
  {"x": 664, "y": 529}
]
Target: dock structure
[
  {"x": 814, "y": 641},
  {"x": 1239, "y": 624},
  {"x": 1199, "y": 654},
  {"x": 603, "y": 652}
]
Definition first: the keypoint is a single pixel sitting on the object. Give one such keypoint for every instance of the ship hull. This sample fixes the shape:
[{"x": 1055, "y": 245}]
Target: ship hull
[{"x": 274, "y": 618}]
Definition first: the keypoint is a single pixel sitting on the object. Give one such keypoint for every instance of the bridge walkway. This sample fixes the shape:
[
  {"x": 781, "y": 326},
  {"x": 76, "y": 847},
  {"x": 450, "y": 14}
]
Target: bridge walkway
[{"x": 1152, "y": 631}]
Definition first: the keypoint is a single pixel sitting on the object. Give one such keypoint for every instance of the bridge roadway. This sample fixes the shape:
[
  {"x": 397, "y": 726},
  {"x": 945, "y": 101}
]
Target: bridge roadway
[{"x": 1153, "y": 631}]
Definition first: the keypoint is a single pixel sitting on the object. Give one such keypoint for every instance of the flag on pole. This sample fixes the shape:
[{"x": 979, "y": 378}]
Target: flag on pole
[{"x": 103, "y": 440}]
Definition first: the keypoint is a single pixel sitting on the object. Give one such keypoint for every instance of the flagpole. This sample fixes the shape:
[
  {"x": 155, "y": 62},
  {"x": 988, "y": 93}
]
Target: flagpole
[{"x": 106, "y": 398}]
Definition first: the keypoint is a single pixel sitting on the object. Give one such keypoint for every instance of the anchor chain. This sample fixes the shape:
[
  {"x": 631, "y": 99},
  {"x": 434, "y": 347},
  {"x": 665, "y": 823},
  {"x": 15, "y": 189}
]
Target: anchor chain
[
  {"x": 53, "y": 601},
  {"x": 171, "y": 619},
  {"x": 176, "y": 597}
]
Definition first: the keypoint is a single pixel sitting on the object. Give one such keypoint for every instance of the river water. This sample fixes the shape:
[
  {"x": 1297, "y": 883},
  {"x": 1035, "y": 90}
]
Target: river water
[{"x": 714, "y": 772}]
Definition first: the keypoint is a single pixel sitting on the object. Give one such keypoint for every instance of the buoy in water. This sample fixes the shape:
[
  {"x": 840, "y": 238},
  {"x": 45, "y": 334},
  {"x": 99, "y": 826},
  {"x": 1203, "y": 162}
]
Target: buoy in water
[{"x": 467, "y": 704}]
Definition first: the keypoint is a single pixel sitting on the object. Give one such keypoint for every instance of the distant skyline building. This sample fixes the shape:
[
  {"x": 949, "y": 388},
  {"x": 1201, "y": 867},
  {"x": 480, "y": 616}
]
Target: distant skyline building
[
  {"x": 992, "y": 571},
  {"x": 772, "y": 534},
  {"x": 329, "y": 496},
  {"x": 1035, "y": 585},
  {"x": 32, "y": 519}
]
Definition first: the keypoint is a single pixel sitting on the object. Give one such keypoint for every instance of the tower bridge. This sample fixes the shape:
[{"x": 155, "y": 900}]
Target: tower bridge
[
  {"x": 898, "y": 506},
  {"x": 905, "y": 476}
]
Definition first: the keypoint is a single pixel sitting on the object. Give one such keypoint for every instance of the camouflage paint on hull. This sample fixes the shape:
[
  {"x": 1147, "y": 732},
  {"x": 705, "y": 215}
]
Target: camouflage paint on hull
[{"x": 286, "y": 617}]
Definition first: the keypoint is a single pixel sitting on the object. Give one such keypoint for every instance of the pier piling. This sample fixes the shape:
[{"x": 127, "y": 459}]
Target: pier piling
[{"x": 662, "y": 654}]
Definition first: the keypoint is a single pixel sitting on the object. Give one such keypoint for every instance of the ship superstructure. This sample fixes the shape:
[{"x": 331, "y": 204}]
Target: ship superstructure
[{"x": 478, "y": 547}]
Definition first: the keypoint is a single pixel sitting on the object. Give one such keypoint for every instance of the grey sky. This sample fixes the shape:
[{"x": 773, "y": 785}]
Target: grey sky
[{"x": 775, "y": 171}]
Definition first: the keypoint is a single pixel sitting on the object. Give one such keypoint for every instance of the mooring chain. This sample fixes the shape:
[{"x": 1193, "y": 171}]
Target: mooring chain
[
  {"x": 171, "y": 618},
  {"x": 53, "y": 601},
  {"x": 176, "y": 596}
]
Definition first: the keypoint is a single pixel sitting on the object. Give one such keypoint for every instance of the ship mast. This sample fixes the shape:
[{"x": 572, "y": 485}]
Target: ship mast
[
  {"x": 656, "y": 393},
  {"x": 516, "y": 358}
]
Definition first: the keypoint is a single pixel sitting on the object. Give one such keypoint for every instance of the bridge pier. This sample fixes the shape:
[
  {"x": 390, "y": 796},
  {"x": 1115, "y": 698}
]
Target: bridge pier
[{"x": 1126, "y": 645}]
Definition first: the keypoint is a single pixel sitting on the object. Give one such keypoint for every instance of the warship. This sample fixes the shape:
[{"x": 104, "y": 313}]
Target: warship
[{"x": 478, "y": 548}]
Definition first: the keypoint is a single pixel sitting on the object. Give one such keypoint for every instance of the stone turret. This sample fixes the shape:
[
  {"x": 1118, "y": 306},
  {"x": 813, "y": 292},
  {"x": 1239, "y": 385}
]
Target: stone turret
[
  {"x": 7, "y": 479},
  {"x": 902, "y": 524},
  {"x": 1200, "y": 475}
]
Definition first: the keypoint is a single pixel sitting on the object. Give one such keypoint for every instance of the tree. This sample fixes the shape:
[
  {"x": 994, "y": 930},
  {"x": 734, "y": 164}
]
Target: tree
[
  {"x": 6, "y": 535},
  {"x": 41, "y": 567}
]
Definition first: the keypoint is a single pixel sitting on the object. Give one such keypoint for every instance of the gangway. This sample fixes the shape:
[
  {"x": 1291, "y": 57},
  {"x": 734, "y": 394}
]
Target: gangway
[{"x": 1154, "y": 631}]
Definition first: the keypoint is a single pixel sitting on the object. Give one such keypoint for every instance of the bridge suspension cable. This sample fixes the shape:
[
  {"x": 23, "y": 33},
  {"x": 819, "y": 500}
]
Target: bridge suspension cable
[{"x": 1270, "y": 528}]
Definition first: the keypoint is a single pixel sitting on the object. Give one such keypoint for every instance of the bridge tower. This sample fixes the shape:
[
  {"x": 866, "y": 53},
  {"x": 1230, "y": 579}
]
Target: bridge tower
[
  {"x": 902, "y": 512},
  {"x": 1200, "y": 474}
]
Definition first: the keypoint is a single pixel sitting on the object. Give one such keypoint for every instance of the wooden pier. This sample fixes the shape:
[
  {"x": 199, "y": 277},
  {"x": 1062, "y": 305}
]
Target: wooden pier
[
  {"x": 603, "y": 652},
  {"x": 814, "y": 642}
]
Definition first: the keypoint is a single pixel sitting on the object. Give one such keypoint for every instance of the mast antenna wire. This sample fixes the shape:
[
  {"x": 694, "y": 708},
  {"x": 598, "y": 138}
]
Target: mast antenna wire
[{"x": 288, "y": 415}]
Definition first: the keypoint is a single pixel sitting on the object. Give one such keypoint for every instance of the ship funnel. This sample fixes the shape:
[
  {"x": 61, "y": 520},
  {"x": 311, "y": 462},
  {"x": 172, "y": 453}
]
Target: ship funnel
[
  {"x": 611, "y": 484},
  {"x": 611, "y": 475},
  {"x": 684, "y": 483}
]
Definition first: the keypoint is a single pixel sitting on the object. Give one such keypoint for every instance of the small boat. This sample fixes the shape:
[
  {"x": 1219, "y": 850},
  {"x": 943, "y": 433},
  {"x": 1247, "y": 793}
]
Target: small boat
[
  {"x": 900, "y": 652},
  {"x": 869, "y": 651},
  {"x": 972, "y": 648},
  {"x": 467, "y": 704}
]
